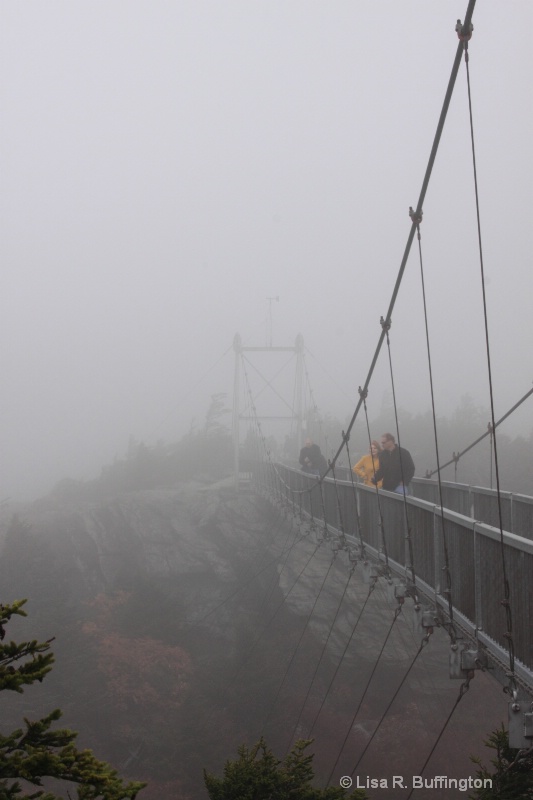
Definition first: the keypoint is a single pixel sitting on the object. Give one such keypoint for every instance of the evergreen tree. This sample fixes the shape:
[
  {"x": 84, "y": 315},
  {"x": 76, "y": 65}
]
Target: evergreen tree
[
  {"x": 38, "y": 751},
  {"x": 217, "y": 408},
  {"x": 512, "y": 778},
  {"x": 258, "y": 775}
]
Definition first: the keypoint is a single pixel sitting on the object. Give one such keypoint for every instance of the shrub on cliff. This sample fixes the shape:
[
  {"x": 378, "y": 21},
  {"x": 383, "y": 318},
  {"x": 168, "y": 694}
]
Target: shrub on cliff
[
  {"x": 258, "y": 775},
  {"x": 512, "y": 777}
]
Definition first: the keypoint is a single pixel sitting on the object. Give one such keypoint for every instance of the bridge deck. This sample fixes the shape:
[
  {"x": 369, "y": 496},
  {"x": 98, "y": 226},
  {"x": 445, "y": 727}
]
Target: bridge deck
[{"x": 379, "y": 525}]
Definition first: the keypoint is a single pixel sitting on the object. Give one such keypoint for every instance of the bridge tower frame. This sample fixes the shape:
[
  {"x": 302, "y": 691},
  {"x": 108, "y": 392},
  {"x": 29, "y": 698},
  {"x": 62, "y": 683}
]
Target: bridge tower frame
[{"x": 296, "y": 416}]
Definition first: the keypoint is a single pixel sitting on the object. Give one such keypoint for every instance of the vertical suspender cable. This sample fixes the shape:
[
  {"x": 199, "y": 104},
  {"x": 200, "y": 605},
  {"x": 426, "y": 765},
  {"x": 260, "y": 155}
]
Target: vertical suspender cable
[
  {"x": 447, "y": 571},
  {"x": 506, "y": 602},
  {"x": 411, "y": 565},
  {"x": 380, "y": 510},
  {"x": 355, "y": 499}
]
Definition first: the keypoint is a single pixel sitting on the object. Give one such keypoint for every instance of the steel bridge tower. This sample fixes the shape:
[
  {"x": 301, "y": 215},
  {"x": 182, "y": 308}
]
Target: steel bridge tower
[{"x": 298, "y": 409}]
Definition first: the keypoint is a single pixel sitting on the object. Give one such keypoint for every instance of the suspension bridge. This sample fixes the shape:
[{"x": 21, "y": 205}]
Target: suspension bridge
[{"x": 459, "y": 557}]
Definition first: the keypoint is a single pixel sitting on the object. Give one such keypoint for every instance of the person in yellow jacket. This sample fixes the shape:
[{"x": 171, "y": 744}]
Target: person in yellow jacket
[{"x": 367, "y": 466}]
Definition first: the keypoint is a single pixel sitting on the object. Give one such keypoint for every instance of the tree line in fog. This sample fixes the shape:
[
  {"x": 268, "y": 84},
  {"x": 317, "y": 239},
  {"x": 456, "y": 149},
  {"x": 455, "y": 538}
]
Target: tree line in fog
[{"x": 206, "y": 451}]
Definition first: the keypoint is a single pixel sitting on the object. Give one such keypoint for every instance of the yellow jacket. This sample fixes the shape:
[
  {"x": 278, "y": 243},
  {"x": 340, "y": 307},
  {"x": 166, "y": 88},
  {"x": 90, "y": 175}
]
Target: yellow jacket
[{"x": 365, "y": 469}]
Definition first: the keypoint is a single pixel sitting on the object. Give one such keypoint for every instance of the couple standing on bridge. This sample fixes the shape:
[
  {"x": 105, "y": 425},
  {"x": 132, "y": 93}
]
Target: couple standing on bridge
[{"x": 387, "y": 466}]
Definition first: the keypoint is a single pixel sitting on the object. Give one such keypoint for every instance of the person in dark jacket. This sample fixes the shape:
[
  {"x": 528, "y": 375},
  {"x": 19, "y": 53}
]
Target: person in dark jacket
[
  {"x": 311, "y": 459},
  {"x": 396, "y": 467}
]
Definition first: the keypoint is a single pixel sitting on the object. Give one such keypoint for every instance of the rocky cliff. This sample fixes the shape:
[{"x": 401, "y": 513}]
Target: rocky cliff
[{"x": 232, "y": 601}]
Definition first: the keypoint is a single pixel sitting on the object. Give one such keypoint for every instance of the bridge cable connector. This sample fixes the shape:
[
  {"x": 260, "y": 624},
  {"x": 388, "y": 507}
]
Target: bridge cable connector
[
  {"x": 520, "y": 723},
  {"x": 363, "y": 393},
  {"x": 353, "y": 557},
  {"x": 464, "y": 661},
  {"x": 415, "y": 218},
  {"x": 385, "y": 324},
  {"x": 424, "y": 619},
  {"x": 464, "y": 34},
  {"x": 379, "y": 571}
]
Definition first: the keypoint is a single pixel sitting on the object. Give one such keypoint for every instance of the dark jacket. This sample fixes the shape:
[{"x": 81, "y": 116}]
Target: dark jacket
[
  {"x": 395, "y": 467},
  {"x": 312, "y": 460}
]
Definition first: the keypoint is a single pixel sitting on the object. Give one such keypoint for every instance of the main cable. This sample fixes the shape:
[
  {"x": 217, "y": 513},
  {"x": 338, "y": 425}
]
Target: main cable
[{"x": 418, "y": 210}]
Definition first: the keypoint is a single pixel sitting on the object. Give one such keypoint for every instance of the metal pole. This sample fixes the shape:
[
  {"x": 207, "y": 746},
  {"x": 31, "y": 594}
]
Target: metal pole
[
  {"x": 299, "y": 347},
  {"x": 237, "y": 346}
]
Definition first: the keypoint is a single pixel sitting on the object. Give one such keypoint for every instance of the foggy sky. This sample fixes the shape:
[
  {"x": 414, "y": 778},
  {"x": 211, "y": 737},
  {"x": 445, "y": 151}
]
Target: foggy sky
[{"x": 168, "y": 166}]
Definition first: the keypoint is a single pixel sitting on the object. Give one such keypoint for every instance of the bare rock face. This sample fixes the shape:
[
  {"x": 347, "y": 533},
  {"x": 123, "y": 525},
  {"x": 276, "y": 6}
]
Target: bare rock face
[
  {"x": 192, "y": 536},
  {"x": 261, "y": 603}
]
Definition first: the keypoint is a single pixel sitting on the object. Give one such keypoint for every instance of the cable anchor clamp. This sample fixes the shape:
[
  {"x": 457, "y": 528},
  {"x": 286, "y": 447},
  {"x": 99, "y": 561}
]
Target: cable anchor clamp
[
  {"x": 464, "y": 661},
  {"x": 520, "y": 723},
  {"x": 415, "y": 218},
  {"x": 363, "y": 393},
  {"x": 464, "y": 33},
  {"x": 385, "y": 323}
]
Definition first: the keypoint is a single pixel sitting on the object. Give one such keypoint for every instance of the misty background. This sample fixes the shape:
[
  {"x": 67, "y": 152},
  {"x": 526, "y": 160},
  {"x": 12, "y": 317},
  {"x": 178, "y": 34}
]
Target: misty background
[{"x": 166, "y": 168}]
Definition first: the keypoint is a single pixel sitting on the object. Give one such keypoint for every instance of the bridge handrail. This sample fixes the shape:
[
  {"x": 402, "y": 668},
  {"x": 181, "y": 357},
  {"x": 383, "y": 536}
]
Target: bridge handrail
[
  {"x": 474, "y": 552},
  {"x": 517, "y": 509}
]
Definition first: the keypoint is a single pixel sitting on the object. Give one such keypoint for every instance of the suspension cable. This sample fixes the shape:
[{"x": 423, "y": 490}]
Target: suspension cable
[
  {"x": 370, "y": 590},
  {"x": 420, "y": 204},
  {"x": 386, "y": 326},
  {"x": 423, "y": 643},
  {"x": 273, "y": 616},
  {"x": 418, "y": 211},
  {"x": 244, "y": 585},
  {"x": 339, "y": 509},
  {"x": 462, "y": 691},
  {"x": 346, "y": 438},
  {"x": 268, "y": 383},
  {"x": 323, "y": 652},
  {"x": 285, "y": 554},
  {"x": 381, "y": 521},
  {"x": 289, "y": 665},
  {"x": 506, "y": 602},
  {"x": 313, "y": 402},
  {"x": 448, "y": 575},
  {"x": 397, "y": 613},
  {"x": 457, "y": 456}
]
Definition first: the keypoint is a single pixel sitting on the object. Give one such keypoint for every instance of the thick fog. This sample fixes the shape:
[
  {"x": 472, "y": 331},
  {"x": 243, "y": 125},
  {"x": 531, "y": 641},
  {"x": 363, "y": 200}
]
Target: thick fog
[{"x": 166, "y": 168}]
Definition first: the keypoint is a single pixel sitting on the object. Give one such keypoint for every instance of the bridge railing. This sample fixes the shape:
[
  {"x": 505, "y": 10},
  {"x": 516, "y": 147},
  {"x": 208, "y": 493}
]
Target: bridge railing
[
  {"x": 481, "y": 504},
  {"x": 474, "y": 552},
  {"x": 476, "y": 502}
]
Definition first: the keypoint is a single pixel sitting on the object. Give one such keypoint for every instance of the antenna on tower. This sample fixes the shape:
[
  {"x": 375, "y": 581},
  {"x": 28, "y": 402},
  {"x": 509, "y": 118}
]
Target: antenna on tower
[{"x": 269, "y": 331}]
